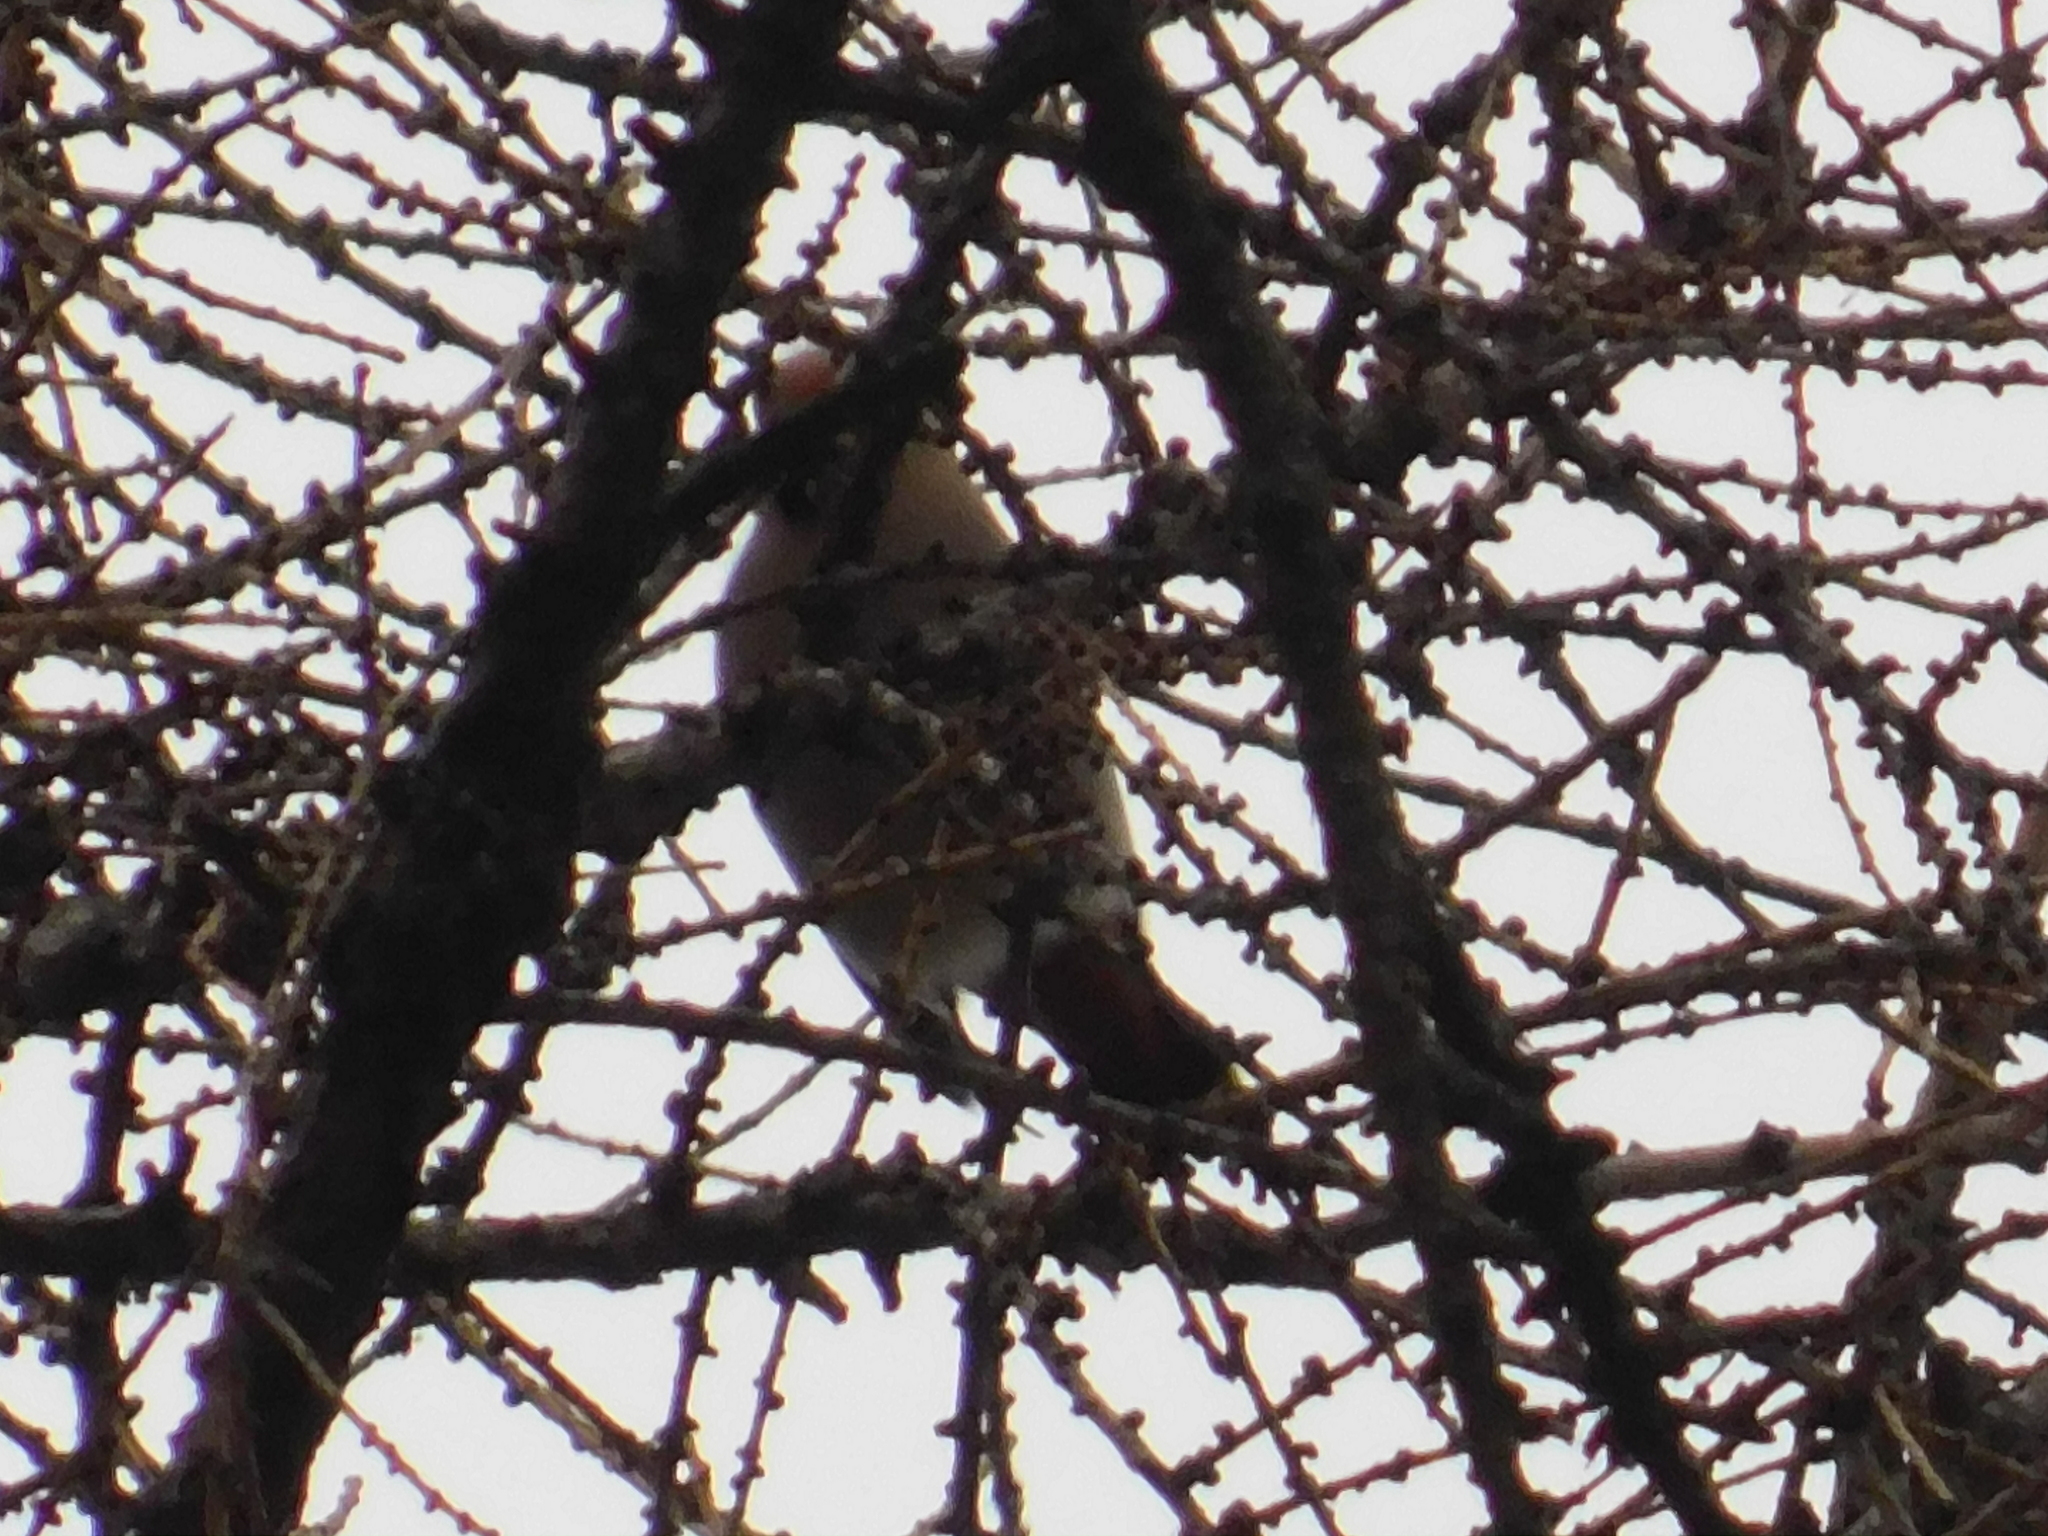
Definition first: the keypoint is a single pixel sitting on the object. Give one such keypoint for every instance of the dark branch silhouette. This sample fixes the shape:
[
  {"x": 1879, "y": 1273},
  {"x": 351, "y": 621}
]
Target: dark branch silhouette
[{"x": 326, "y": 854}]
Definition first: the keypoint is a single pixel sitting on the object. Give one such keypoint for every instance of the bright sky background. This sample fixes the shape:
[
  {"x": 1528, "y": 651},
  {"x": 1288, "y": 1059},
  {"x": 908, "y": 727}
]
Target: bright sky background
[{"x": 855, "y": 1449}]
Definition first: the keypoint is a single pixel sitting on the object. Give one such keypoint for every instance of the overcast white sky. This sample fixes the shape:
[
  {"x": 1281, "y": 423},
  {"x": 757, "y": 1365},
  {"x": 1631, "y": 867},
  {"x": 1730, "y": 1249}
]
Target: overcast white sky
[{"x": 855, "y": 1449}]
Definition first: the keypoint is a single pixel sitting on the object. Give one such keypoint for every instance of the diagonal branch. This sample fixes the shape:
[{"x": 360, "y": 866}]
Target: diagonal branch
[
  {"x": 467, "y": 866},
  {"x": 1409, "y": 982}
]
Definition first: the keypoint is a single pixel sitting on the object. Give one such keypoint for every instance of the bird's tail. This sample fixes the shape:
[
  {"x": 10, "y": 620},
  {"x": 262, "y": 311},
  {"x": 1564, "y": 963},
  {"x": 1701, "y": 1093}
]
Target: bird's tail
[{"x": 1111, "y": 1016}]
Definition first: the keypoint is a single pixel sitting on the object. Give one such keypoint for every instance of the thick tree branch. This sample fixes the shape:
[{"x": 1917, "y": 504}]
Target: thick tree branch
[
  {"x": 467, "y": 865},
  {"x": 1412, "y": 988}
]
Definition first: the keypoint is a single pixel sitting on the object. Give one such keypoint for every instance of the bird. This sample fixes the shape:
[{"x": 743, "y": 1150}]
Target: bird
[{"x": 931, "y": 893}]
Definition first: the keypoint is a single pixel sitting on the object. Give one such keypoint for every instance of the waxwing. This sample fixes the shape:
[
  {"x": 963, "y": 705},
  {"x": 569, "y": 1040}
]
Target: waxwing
[{"x": 934, "y": 878}]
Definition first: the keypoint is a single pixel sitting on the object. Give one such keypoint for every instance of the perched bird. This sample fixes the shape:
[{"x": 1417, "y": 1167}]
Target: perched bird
[{"x": 1005, "y": 889}]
